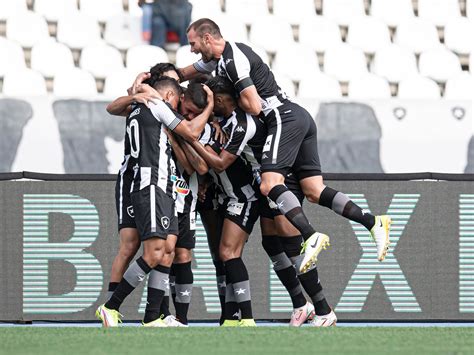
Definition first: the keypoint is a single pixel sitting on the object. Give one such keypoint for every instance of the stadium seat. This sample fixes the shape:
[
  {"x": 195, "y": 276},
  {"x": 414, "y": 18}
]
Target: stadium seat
[
  {"x": 369, "y": 86},
  {"x": 438, "y": 12},
  {"x": 206, "y": 8},
  {"x": 134, "y": 9},
  {"x": 24, "y": 82},
  {"x": 84, "y": 83},
  {"x": 27, "y": 28},
  {"x": 344, "y": 62},
  {"x": 232, "y": 29},
  {"x": 471, "y": 63},
  {"x": 285, "y": 83},
  {"x": 460, "y": 87},
  {"x": 261, "y": 52},
  {"x": 459, "y": 35},
  {"x": 280, "y": 30},
  {"x": 294, "y": 11},
  {"x": 10, "y": 8},
  {"x": 12, "y": 57},
  {"x": 53, "y": 10},
  {"x": 142, "y": 58},
  {"x": 394, "y": 63},
  {"x": 470, "y": 9},
  {"x": 185, "y": 57},
  {"x": 392, "y": 12},
  {"x": 248, "y": 11},
  {"x": 417, "y": 34},
  {"x": 117, "y": 83},
  {"x": 439, "y": 64},
  {"x": 101, "y": 10},
  {"x": 67, "y": 31},
  {"x": 49, "y": 57},
  {"x": 319, "y": 33},
  {"x": 368, "y": 34},
  {"x": 100, "y": 60},
  {"x": 296, "y": 61},
  {"x": 418, "y": 87},
  {"x": 320, "y": 86},
  {"x": 343, "y": 11},
  {"x": 123, "y": 31}
]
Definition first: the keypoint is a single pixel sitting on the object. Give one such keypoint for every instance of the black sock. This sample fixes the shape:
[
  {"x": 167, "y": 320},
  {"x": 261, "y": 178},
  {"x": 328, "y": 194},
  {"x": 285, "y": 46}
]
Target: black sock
[
  {"x": 112, "y": 288},
  {"x": 221, "y": 286},
  {"x": 284, "y": 269},
  {"x": 231, "y": 309},
  {"x": 184, "y": 289},
  {"x": 237, "y": 274},
  {"x": 290, "y": 206},
  {"x": 165, "y": 306},
  {"x": 157, "y": 285},
  {"x": 312, "y": 286},
  {"x": 342, "y": 205},
  {"x": 135, "y": 274}
]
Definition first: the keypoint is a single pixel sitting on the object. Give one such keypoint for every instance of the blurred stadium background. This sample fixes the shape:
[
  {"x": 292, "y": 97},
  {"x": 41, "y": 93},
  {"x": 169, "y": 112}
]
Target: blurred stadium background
[{"x": 389, "y": 82}]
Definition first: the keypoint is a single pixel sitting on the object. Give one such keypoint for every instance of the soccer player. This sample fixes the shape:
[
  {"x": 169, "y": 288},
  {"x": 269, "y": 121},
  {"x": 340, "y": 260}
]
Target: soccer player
[
  {"x": 291, "y": 138},
  {"x": 280, "y": 240},
  {"x": 153, "y": 196}
]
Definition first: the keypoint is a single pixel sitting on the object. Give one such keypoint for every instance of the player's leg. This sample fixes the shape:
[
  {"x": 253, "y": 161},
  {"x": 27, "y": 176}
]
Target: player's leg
[
  {"x": 183, "y": 283},
  {"x": 308, "y": 171},
  {"x": 129, "y": 245}
]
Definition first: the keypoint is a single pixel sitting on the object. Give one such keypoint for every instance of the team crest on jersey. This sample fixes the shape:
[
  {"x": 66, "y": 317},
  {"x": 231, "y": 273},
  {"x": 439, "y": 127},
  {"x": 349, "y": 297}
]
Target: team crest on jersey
[
  {"x": 165, "y": 222},
  {"x": 135, "y": 112},
  {"x": 130, "y": 211},
  {"x": 180, "y": 185}
]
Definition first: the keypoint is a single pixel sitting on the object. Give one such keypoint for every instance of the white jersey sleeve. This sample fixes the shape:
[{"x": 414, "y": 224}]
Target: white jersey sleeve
[
  {"x": 204, "y": 67},
  {"x": 163, "y": 113}
]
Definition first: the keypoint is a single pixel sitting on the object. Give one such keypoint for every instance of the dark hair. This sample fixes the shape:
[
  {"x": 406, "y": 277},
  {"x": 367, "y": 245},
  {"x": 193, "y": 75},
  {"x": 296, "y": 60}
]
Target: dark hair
[
  {"x": 221, "y": 85},
  {"x": 201, "y": 78},
  {"x": 158, "y": 70},
  {"x": 196, "y": 94},
  {"x": 166, "y": 82},
  {"x": 205, "y": 25}
]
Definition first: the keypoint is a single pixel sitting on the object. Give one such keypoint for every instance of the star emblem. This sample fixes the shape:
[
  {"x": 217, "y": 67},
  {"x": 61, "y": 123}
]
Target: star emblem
[
  {"x": 240, "y": 291},
  {"x": 221, "y": 284},
  {"x": 185, "y": 293}
]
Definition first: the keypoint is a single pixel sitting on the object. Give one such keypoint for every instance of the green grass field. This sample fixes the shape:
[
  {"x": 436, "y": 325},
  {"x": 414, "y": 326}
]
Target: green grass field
[{"x": 263, "y": 340}]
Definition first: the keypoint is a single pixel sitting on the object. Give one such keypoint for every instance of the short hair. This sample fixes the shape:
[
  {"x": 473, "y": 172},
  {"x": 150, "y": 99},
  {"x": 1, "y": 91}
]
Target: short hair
[
  {"x": 196, "y": 94},
  {"x": 201, "y": 78},
  {"x": 205, "y": 25},
  {"x": 222, "y": 85},
  {"x": 166, "y": 82},
  {"x": 158, "y": 70}
]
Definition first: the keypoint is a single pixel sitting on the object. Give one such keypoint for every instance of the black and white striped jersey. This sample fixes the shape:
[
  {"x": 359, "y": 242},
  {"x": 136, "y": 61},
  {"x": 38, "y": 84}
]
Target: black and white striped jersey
[
  {"x": 146, "y": 130},
  {"x": 236, "y": 182},
  {"x": 247, "y": 137},
  {"x": 244, "y": 68}
]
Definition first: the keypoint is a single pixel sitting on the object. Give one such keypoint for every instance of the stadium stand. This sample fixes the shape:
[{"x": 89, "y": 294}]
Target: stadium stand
[
  {"x": 233, "y": 28},
  {"x": 344, "y": 62},
  {"x": 248, "y": 11},
  {"x": 123, "y": 31},
  {"x": 27, "y": 28},
  {"x": 143, "y": 57},
  {"x": 328, "y": 31},
  {"x": 320, "y": 86},
  {"x": 296, "y": 61},
  {"x": 438, "y": 12},
  {"x": 117, "y": 83},
  {"x": 185, "y": 57},
  {"x": 281, "y": 33},
  {"x": 49, "y": 57},
  {"x": 101, "y": 10},
  {"x": 392, "y": 12},
  {"x": 368, "y": 33},
  {"x": 418, "y": 87},
  {"x": 343, "y": 11},
  {"x": 101, "y": 60},
  {"x": 459, "y": 35},
  {"x": 53, "y": 10},
  {"x": 369, "y": 86},
  {"x": 394, "y": 63},
  {"x": 206, "y": 8},
  {"x": 12, "y": 57},
  {"x": 10, "y": 8},
  {"x": 285, "y": 83},
  {"x": 24, "y": 82},
  {"x": 68, "y": 34},
  {"x": 439, "y": 64},
  {"x": 84, "y": 83},
  {"x": 417, "y": 34},
  {"x": 460, "y": 87},
  {"x": 294, "y": 11}
]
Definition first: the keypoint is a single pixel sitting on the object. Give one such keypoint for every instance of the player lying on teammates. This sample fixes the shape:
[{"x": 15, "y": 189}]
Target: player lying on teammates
[
  {"x": 291, "y": 138},
  {"x": 153, "y": 196},
  {"x": 236, "y": 168}
]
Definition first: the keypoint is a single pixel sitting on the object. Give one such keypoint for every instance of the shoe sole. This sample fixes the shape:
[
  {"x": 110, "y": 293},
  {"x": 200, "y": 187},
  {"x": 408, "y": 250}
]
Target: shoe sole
[
  {"x": 387, "y": 240},
  {"x": 324, "y": 245}
]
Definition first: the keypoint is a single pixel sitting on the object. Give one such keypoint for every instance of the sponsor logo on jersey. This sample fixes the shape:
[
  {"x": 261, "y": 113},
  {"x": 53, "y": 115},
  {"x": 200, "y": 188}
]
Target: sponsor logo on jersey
[{"x": 180, "y": 185}]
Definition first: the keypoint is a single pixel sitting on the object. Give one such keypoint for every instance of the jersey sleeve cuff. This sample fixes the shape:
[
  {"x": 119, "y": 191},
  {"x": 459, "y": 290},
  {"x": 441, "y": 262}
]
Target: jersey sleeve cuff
[{"x": 243, "y": 84}]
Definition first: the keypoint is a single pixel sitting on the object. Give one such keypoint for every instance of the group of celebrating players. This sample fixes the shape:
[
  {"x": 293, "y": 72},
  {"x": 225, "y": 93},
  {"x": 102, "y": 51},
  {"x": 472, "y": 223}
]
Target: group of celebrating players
[{"x": 234, "y": 148}]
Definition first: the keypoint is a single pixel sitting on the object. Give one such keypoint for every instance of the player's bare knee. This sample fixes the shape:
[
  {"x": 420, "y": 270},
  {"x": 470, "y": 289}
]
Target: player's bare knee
[
  {"x": 182, "y": 256},
  {"x": 129, "y": 249},
  {"x": 226, "y": 253}
]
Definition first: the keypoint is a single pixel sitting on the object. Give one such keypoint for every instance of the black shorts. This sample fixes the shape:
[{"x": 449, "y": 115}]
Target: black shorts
[
  {"x": 210, "y": 202},
  {"x": 187, "y": 230},
  {"x": 154, "y": 213},
  {"x": 292, "y": 142},
  {"x": 123, "y": 201},
  {"x": 268, "y": 209},
  {"x": 244, "y": 214}
]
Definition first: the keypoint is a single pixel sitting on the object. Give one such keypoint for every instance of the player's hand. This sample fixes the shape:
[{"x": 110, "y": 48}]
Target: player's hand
[
  {"x": 219, "y": 135},
  {"x": 145, "y": 98},
  {"x": 210, "y": 95},
  {"x": 202, "y": 189},
  {"x": 138, "y": 81}
]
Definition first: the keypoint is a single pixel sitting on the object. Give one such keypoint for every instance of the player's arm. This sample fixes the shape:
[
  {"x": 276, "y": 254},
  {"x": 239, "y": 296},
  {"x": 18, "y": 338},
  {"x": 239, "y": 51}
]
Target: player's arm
[
  {"x": 198, "y": 162},
  {"x": 191, "y": 130},
  {"x": 194, "y": 70},
  {"x": 250, "y": 101},
  {"x": 218, "y": 162},
  {"x": 123, "y": 105},
  {"x": 179, "y": 153}
]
